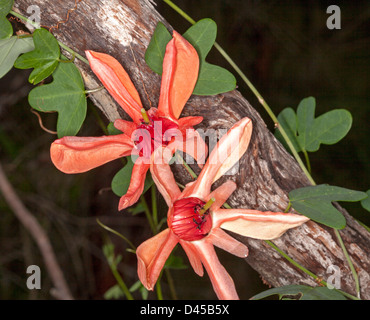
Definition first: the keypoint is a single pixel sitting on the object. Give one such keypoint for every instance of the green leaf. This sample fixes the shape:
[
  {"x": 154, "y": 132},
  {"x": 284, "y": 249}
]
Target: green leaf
[
  {"x": 44, "y": 59},
  {"x": 329, "y": 128},
  {"x": 305, "y": 119},
  {"x": 10, "y": 49},
  {"x": 66, "y": 95},
  {"x": 5, "y": 7},
  {"x": 6, "y": 29},
  {"x": 138, "y": 208},
  {"x": 154, "y": 54},
  {"x": 175, "y": 262},
  {"x": 112, "y": 130},
  {"x": 114, "y": 292},
  {"x": 315, "y": 202},
  {"x": 139, "y": 286},
  {"x": 212, "y": 79},
  {"x": 121, "y": 181},
  {"x": 288, "y": 120},
  {"x": 366, "y": 202},
  {"x": 303, "y": 293},
  {"x": 307, "y": 132},
  {"x": 202, "y": 36}
]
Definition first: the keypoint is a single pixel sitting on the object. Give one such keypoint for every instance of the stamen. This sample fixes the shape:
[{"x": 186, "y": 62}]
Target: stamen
[
  {"x": 145, "y": 116},
  {"x": 204, "y": 209}
]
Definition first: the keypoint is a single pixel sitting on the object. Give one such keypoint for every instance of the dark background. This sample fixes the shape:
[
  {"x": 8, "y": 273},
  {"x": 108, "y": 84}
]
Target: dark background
[{"x": 288, "y": 53}]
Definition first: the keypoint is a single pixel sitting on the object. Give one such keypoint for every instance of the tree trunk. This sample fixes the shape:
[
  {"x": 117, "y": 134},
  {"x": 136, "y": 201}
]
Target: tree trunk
[{"x": 267, "y": 171}]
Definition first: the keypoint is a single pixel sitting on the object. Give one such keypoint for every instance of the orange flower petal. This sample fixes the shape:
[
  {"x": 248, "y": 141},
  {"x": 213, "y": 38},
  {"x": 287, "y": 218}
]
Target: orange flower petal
[
  {"x": 222, "y": 283},
  {"x": 80, "y": 154},
  {"x": 180, "y": 74},
  {"x": 256, "y": 224},
  {"x": 152, "y": 255},
  {"x": 223, "y": 157},
  {"x": 221, "y": 239},
  {"x": 127, "y": 127},
  {"x": 221, "y": 194},
  {"x": 136, "y": 186},
  {"x": 188, "y": 122},
  {"x": 163, "y": 176},
  {"x": 192, "y": 255},
  {"x": 118, "y": 83}
]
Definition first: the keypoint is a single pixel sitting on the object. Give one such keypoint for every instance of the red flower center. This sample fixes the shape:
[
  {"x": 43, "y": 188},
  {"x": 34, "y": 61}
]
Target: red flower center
[
  {"x": 156, "y": 132},
  {"x": 187, "y": 220}
]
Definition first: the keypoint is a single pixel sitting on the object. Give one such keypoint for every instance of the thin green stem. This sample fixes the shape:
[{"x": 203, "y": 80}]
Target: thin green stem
[
  {"x": 77, "y": 55},
  {"x": 349, "y": 261},
  {"x": 296, "y": 264},
  {"x": 100, "y": 121},
  {"x": 23, "y": 36},
  {"x": 307, "y": 161},
  {"x": 158, "y": 287},
  {"x": 117, "y": 234},
  {"x": 37, "y": 26},
  {"x": 154, "y": 205},
  {"x": 69, "y": 60},
  {"x": 180, "y": 11},
  {"x": 293, "y": 262},
  {"x": 288, "y": 207},
  {"x": 32, "y": 23},
  {"x": 171, "y": 284},
  {"x": 148, "y": 215},
  {"x": 121, "y": 283},
  {"x": 187, "y": 167},
  {"x": 94, "y": 90}
]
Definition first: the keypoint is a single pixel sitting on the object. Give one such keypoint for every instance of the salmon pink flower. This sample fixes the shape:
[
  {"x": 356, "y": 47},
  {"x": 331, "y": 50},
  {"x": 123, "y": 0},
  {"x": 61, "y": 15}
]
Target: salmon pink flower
[
  {"x": 159, "y": 127},
  {"x": 196, "y": 220}
]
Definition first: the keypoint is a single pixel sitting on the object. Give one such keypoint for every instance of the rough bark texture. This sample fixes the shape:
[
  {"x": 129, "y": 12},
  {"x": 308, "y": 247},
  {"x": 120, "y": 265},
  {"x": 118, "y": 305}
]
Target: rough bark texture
[{"x": 123, "y": 28}]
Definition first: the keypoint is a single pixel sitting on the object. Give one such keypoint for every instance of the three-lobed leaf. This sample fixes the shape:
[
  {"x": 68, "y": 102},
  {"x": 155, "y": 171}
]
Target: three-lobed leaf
[
  {"x": 301, "y": 292},
  {"x": 66, "y": 95},
  {"x": 44, "y": 59},
  {"x": 202, "y": 36},
  {"x": 212, "y": 79},
  {"x": 10, "y": 49},
  {"x": 307, "y": 132},
  {"x": 315, "y": 202},
  {"x": 6, "y": 29}
]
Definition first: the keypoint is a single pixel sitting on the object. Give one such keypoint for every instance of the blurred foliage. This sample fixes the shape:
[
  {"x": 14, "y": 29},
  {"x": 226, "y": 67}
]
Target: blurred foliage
[{"x": 285, "y": 49}]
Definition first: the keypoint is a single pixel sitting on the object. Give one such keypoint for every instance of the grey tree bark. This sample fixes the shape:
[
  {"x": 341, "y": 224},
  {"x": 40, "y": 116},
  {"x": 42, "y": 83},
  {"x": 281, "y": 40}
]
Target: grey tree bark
[{"x": 123, "y": 28}]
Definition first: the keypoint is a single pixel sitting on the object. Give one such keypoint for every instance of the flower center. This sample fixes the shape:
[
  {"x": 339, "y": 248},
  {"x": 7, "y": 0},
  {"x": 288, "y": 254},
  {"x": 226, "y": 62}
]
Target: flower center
[
  {"x": 153, "y": 132},
  {"x": 191, "y": 219}
]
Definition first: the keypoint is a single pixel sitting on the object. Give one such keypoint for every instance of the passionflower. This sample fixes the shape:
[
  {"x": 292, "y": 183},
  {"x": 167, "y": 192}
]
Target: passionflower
[
  {"x": 149, "y": 130},
  {"x": 196, "y": 218}
]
